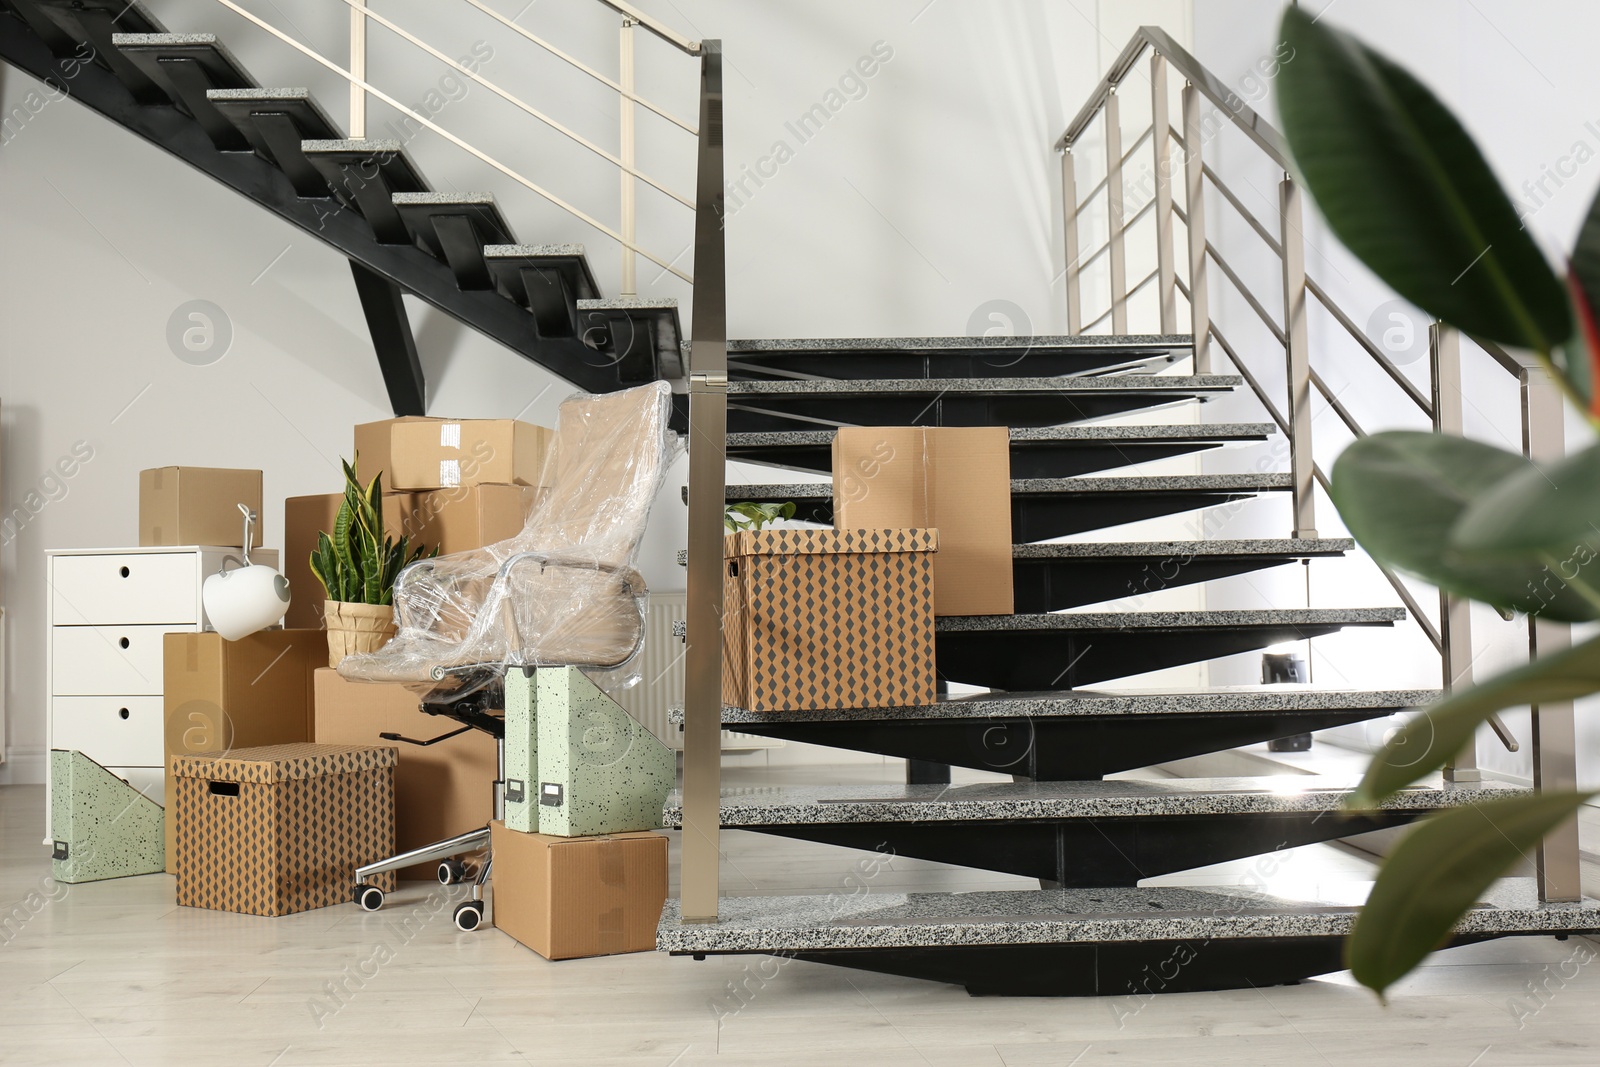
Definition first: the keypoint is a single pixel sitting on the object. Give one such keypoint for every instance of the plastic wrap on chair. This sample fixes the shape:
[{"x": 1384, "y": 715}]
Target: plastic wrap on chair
[{"x": 561, "y": 592}]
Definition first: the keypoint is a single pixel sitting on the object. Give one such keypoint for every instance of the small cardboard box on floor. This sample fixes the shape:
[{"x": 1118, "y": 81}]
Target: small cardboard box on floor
[
  {"x": 828, "y": 619},
  {"x": 223, "y": 695},
  {"x": 197, "y": 506},
  {"x": 569, "y": 897},
  {"x": 956, "y": 480},
  {"x": 451, "y": 520},
  {"x": 439, "y": 791}
]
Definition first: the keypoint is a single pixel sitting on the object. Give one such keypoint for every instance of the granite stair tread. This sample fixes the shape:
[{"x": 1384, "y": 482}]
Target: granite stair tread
[
  {"x": 1122, "y": 484},
  {"x": 1288, "y": 546},
  {"x": 897, "y": 344},
  {"x": 1142, "y": 431},
  {"x": 1266, "y": 699},
  {"x": 1169, "y": 620},
  {"x": 751, "y": 806},
  {"x": 1154, "y": 383},
  {"x": 951, "y": 357},
  {"x": 1158, "y": 914}
]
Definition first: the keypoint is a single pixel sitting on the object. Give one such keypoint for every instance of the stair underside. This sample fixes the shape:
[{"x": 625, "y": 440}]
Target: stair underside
[
  {"x": 1044, "y": 508},
  {"x": 951, "y": 357},
  {"x": 1081, "y": 735},
  {"x": 1036, "y": 452},
  {"x": 1035, "y": 401},
  {"x": 1111, "y": 833},
  {"x": 1081, "y": 942}
]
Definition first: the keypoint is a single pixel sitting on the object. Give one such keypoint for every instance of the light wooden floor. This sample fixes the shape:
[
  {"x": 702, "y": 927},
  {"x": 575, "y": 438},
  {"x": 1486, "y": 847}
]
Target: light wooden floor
[{"x": 114, "y": 973}]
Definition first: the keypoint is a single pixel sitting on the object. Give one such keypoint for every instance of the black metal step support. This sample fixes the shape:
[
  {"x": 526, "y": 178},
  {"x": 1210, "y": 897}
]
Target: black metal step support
[{"x": 392, "y": 339}]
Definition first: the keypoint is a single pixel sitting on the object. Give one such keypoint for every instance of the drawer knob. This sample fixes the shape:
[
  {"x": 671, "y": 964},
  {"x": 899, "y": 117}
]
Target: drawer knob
[
  {"x": 122, "y": 713},
  {"x": 124, "y": 572},
  {"x": 123, "y": 642}
]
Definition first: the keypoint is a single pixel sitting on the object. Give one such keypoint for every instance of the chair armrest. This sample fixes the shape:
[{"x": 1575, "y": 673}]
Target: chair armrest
[{"x": 632, "y": 580}]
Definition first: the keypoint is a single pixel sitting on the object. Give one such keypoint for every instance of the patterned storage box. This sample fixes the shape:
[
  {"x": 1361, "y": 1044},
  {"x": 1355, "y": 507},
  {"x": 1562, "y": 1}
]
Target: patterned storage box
[
  {"x": 828, "y": 619},
  {"x": 281, "y": 828}
]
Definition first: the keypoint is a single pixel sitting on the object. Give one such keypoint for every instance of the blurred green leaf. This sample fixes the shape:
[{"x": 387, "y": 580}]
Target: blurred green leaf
[
  {"x": 1546, "y": 518},
  {"x": 1401, "y": 493},
  {"x": 1579, "y": 357},
  {"x": 747, "y": 515},
  {"x": 1439, "y": 871},
  {"x": 1443, "y": 729},
  {"x": 1402, "y": 184}
]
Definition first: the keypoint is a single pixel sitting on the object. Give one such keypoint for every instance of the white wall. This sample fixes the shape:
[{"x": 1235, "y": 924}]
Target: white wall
[
  {"x": 928, "y": 195},
  {"x": 1519, "y": 76}
]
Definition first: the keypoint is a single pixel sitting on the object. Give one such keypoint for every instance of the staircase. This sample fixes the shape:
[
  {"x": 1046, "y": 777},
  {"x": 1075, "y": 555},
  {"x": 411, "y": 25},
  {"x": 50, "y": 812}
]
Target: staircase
[{"x": 1089, "y": 838}]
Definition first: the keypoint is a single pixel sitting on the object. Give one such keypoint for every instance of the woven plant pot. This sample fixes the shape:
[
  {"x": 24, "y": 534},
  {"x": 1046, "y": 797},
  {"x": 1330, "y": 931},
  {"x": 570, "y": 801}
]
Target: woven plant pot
[{"x": 356, "y": 628}]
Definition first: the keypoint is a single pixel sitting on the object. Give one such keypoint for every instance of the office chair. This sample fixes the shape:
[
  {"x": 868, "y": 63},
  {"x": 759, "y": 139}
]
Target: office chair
[{"x": 562, "y": 593}]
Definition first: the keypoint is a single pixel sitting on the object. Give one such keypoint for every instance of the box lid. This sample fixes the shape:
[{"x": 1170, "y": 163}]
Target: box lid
[
  {"x": 820, "y": 542},
  {"x": 282, "y": 763}
]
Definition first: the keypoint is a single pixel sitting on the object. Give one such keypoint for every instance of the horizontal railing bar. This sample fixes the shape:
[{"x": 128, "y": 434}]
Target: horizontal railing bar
[
  {"x": 1102, "y": 317},
  {"x": 1084, "y": 261},
  {"x": 1244, "y": 291},
  {"x": 1510, "y": 361},
  {"x": 1183, "y": 216},
  {"x": 615, "y": 161},
  {"x": 1172, "y": 132},
  {"x": 666, "y": 33},
  {"x": 1238, "y": 205},
  {"x": 316, "y": 56},
  {"x": 1417, "y": 614},
  {"x": 1250, "y": 379},
  {"x": 1137, "y": 215},
  {"x": 1094, "y": 191},
  {"x": 1338, "y": 408},
  {"x": 1148, "y": 278},
  {"x": 614, "y": 86},
  {"x": 1360, "y": 337},
  {"x": 1143, "y": 137},
  {"x": 1238, "y": 112}
]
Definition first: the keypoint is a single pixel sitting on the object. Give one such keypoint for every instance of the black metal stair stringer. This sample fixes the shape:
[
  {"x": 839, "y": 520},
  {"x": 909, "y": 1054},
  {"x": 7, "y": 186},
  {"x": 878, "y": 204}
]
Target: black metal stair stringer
[{"x": 325, "y": 219}]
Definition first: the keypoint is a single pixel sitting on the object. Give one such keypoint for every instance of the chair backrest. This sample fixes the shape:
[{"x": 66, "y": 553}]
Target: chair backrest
[{"x": 601, "y": 476}]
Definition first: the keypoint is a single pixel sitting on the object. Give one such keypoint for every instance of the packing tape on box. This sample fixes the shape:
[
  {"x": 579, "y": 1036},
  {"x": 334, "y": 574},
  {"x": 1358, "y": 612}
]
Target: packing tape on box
[
  {"x": 449, "y": 435},
  {"x": 609, "y": 864},
  {"x": 449, "y": 473},
  {"x": 611, "y": 937}
]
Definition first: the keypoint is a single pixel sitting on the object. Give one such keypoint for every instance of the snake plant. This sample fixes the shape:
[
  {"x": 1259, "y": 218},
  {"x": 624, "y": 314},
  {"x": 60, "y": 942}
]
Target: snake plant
[{"x": 358, "y": 563}]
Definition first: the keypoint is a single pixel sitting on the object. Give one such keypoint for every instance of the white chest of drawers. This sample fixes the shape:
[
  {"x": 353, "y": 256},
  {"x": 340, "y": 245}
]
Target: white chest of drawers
[{"x": 108, "y": 611}]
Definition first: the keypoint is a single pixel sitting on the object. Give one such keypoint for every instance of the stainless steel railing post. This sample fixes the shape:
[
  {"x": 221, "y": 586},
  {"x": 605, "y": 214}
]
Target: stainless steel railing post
[
  {"x": 1114, "y": 215},
  {"x": 1161, "y": 144},
  {"x": 1195, "y": 223},
  {"x": 1455, "y": 613},
  {"x": 708, "y": 424},
  {"x": 358, "y": 69},
  {"x": 1297, "y": 358},
  {"x": 1069, "y": 235}
]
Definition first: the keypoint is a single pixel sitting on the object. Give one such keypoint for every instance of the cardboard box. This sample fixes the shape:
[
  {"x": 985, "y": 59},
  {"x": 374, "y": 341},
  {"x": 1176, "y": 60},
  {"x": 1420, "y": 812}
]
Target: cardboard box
[
  {"x": 473, "y": 516},
  {"x": 956, "y": 480},
  {"x": 372, "y": 452},
  {"x": 280, "y": 829},
  {"x": 304, "y": 517},
  {"x": 439, "y": 791},
  {"x": 570, "y": 897},
  {"x": 452, "y": 520},
  {"x": 444, "y": 454},
  {"x": 223, "y": 695},
  {"x": 198, "y": 506},
  {"x": 827, "y": 619}
]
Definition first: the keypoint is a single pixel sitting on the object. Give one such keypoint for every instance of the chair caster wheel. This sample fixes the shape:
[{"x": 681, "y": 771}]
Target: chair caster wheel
[
  {"x": 370, "y": 897},
  {"x": 469, "y": 915},
  {"x": 453, "y": 872}
]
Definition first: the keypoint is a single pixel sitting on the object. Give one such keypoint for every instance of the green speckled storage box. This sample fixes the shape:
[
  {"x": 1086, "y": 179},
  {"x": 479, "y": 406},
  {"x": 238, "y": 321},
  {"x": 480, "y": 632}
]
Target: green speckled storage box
[
  {"x": 100, "y": 825},
  {"x": 577, "y": 763}
]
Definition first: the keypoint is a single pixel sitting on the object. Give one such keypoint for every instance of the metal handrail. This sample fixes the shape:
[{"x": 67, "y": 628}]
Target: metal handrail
[
  {"x": 1189, "y": 68},
  {"x": 661, "y": 30},
  {"x": 1554, "y": 745},
  {"x": 515, "y": 101},
  {"x": 359, "y": 13}
]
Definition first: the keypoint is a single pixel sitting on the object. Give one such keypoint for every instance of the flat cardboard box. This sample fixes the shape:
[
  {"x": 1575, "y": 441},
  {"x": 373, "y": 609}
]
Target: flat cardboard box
[
  {"x": 224, "y": 695},
  {"x": 304, "y": 517},
  {"x": 828, "y": 619},
  {"x": 372, "y": 448},
  {"x": 439, "y": 791},
  {"x": 198, "y": 506},
  {"x": 956, "y": 480},
  {"x": 571, "y": 897},
  {"x": 443, "y": 454}
]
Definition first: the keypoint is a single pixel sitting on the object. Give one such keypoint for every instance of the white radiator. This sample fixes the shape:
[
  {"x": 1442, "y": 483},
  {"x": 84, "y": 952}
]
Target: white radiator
[{"x": 661, "y": 678}]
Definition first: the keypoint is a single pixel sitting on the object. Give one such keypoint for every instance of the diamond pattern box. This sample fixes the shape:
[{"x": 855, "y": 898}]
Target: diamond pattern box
[
  {"x": 281, "y": 828},
  {"x": 823, "y": 619}
]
